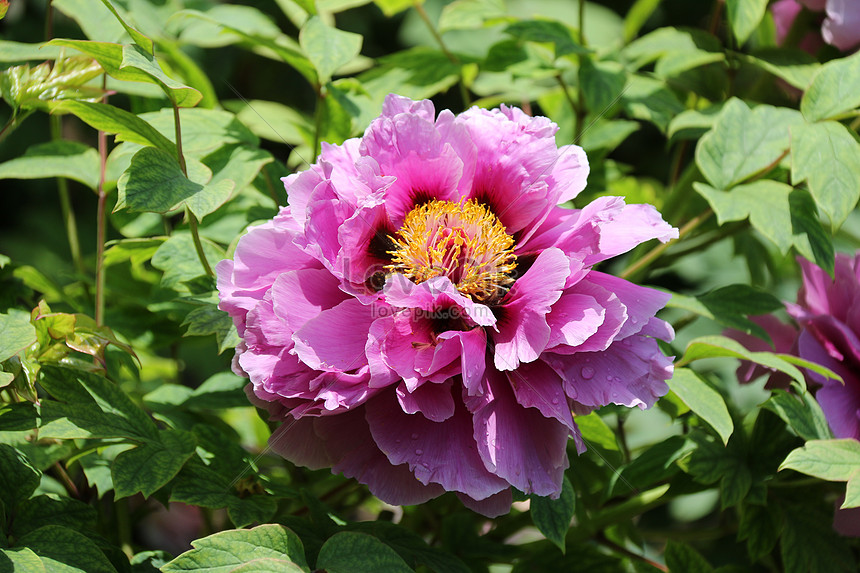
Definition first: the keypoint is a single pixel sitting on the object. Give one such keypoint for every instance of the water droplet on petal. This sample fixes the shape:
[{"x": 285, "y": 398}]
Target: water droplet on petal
[
  {"x": 587, "y": 372},
  {"x": 414, "y": 436},
  {"x": 626, "y": 342},
  {"x": 419, "y": 452},
  {"x": 555, "y": 401}
]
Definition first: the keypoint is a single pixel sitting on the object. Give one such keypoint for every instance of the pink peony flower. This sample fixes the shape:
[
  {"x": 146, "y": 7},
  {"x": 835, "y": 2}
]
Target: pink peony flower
[
  {"x": 828, "y": 313},
  {"x": 424, "y": 317},
  {"x": 840, "y": 28}
]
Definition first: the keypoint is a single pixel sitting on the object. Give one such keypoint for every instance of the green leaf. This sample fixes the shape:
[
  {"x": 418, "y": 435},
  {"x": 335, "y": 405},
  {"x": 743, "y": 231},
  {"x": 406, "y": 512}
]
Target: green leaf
[
  {"x": 392, "y": 7},
  {"x": 636, "y": 17},
  {"x": 328, "y": 48},
  {"x": 68, "y": 159},
  {"x": 51, "y": 509},
  {"x": 693, "y": 123},
  {"x": 272, "y": 121},
  {"x": 469, "y": 14},
  {"x": 22, "y": 559},
  {"x": 349, "y": 552},
  {"x": 155, "y": 183},
  {"x": 179, "y": 261},
  {"x": 227, "y": 550},
  {"x": 764, "y": 202},
  {"x": 138, "y": 38},
  {"x": 681, "y": 557},
  {"x": 761, "y": 526},
  {"x": 703, "y": 400},
  {"x": 794, "y": 66},
  {"x": 835, "y": 89},
  {"x": 744, "y": 16},
  {"x": 65, "y": 550},
  {"x": 126, "y": 125},
  {"x": 137, "y": 58},
  {"x": 602, "y": 83},
  {"x": 266, "y": 38},
  {"x": 739, "y": 299},
  {"x": 207, "y": 29},
  {"x": 150, "y": 466},
  {"x": 410, "y": 546},
  {"x": 744, "y": 142},
  {"x": 810, "y": 238},
  {"x": 204, "y": 131},
  {"x": 21, "y": 52},
  {"x": 18, "y": 417},
  {"x": 552, "y": 516},
  {"x": 423, "y": 66},
  {"x": 650, "y": 100},
  {"x": 832, "y": 460},
  {"x": 200, "y": 485},
  {"x": 810, "y": 545},
  {"x": 546, "y": 32},
  {"x": 655, "y": 464},
  {"x": 720, "y": 346},
  {"x": 802, "y": 413},
  {"x": 18, "y": 478},
  {"x": 16, "y": 333},
  {"x": 207, "y": 320},
  {"x": 90, "y": 406},
  {"x": 828, "y": 157}
]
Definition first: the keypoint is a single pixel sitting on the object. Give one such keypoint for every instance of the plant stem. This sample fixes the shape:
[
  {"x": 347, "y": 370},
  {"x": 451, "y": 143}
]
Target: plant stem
[
  {"x": 581, "y": 22},
  {"x": 101, "y": 221},
  {"x": 574, "y": 106},
  {"x": 603, "y": 540},
  {"x": 646, "y": 260},
  {"x": 123, "y": 524},
  {"x": 66, "y": 204},
  {"x": 198, "y": 245},
  {"x": 580, "y": 110},
  {"x": 464, "y": 93},
  {"x": 177, "y": 126},
  {"x": 189, "y": 216},
  {"x": 318, "y": 117},
  {"x": 13, "y": 122}
]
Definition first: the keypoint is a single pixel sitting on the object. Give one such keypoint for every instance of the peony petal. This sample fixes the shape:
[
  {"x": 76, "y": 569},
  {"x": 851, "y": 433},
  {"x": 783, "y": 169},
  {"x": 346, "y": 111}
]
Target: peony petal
[
  {"x": 840, "y": 403},
  {"x": 569, "y": 173},
  {"x": 574, "y": 319},
  {"x": 536, "y": 385},
  {"x": 432, "y": 400},
  {"x": 641, "y": 302},
  {"x": 523, "y": 332},
  {"x": 301, "y": 295},
  {"x": 493, "y": 506},
  {"x": 354, "y": 453},
  {"x": 518, "y": 444},
  {"x": 437, "y": 453},
  {"x": 631, "y": 372},
  {"x": 841, "y": 28},
  {"x": 336, "y": 338},
  {"x": 472, "y": 357},
  {"x": 268, "y": 250}
]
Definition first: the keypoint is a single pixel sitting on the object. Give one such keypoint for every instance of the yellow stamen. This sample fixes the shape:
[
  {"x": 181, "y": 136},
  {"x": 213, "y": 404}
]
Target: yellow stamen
[{"x": 463, "y": 241}]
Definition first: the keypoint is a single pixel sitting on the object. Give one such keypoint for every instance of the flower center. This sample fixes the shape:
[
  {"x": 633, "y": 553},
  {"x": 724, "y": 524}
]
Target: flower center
[{"x": 463, "y": 241}]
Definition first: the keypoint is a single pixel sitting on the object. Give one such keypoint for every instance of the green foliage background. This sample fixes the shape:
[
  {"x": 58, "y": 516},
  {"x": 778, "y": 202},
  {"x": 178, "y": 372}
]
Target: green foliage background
[{"x": 141, "y": 137}]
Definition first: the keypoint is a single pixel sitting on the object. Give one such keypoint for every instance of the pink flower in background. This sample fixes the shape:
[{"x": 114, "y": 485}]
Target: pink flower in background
[
  {"x": 423, "y": 317},
  {"x": 840, "y": 28},
  {"x": 828, "y": 313}
]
